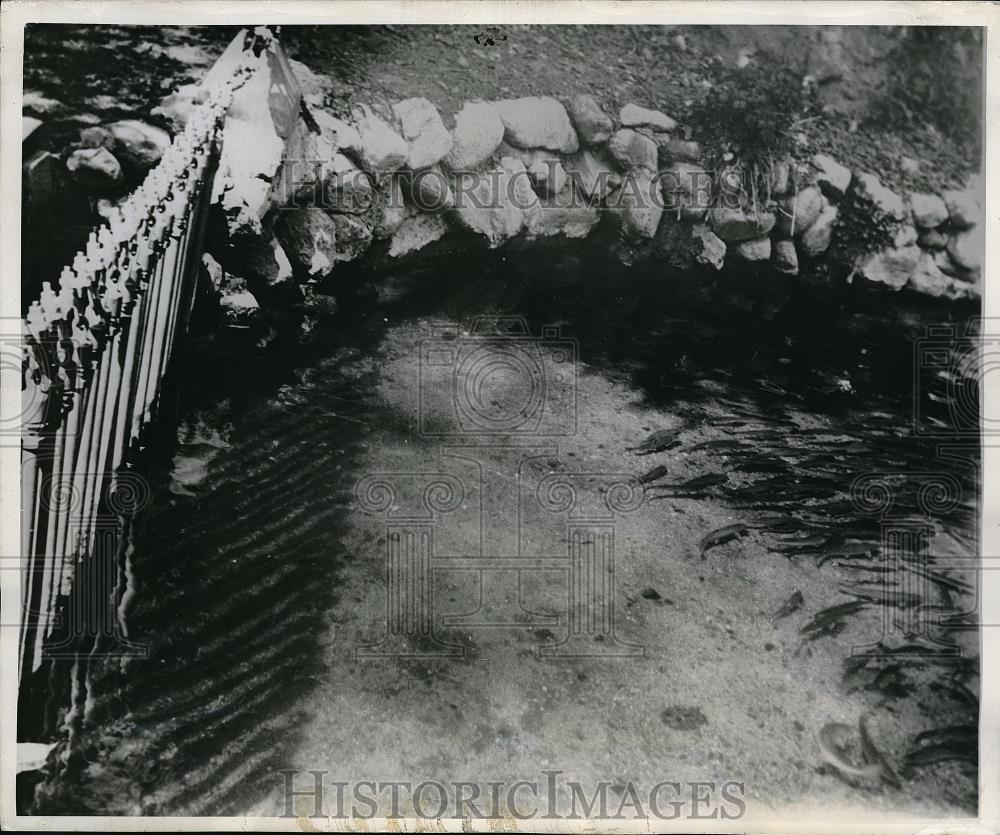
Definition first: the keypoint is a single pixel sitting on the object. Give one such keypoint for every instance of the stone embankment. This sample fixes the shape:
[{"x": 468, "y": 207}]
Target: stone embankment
[{"x": 302, "y": 193}]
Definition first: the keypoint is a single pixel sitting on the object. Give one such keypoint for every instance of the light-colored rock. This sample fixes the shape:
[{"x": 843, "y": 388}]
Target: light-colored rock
[
  {"x": 905, "y": 236},
  {"x": 545, "y": 169},
  {"x": 929, "y": 210},
  {"x": 384, "y": 149},
  {"x": 784, "y": 257},
  {"x": 340, "y": 135},
  {"x": 944, "y": 263},
  {"x": 892, "y": 267},
  {"x": 633, "y": 151},
  {"x": 797, "y": 212},
  {"x": 138, "y": 144},
  {"x": 94, "y": 168},
  {"x": 687, "y": 190},
  {"x": 932, "y": 239},
  {"x": 711, "y": 249},
  {"x": 484, "y": 204},
  {"x": 781, "y": 178},
  {"x": 964, "y": 207},
  {"x": 967, "y": 248},
  {"x": 593, "y": 125},
  {"x": 353, "y": 237},
  {"x": 640, "y": 206},
  {"x": 178, "y": 106},
  {"x": 428, "y": 138},
  {"x": 29, "y": 124},
  {"x": 430, "y": 190},
  {"x": 832, "y": 177},
  {"x": 308, "y": 237},
  {"x": 478, "y": 133},
  {"x": 816, "y": 239},
  {"x": 632, "y": 116},
  {"x": 562, "y": 214},
  {"x": 533, "y": 122},
  {"x": 416, "y": 232},
  {"x": 97, "y": 137},
  {"x": 739, "y": 224},
  {"x": 591, "y": 174},
  {"x": 238, "y": 307},
  {"x": 756, "y": 249},
  {"x": 909, "y": 165},
  {"x": 682, "y": 150},
  {"x": 885, "y": 202},
  {"x": 927, "y": 278}
]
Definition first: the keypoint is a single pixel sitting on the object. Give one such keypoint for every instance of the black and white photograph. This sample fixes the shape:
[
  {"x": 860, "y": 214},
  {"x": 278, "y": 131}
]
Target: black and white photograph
[{"x": 548, "y": 416}]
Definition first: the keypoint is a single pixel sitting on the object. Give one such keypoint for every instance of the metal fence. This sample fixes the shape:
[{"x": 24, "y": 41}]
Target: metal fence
[{"x": 95, "y": 350}]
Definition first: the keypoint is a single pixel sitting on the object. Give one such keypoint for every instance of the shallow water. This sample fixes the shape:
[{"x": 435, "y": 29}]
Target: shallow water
[{"x": 258, "y": 575}]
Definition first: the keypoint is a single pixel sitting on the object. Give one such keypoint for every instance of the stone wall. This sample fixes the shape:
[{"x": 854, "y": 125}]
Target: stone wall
[{"x": 539, "y": 166}]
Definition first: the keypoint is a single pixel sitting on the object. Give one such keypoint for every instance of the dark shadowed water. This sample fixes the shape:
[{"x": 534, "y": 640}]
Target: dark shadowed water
[{"x": 798, "y": 391}]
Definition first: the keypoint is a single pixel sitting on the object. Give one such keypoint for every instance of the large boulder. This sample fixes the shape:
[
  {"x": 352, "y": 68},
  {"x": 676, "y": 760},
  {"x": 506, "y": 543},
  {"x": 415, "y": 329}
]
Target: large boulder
[
  {"x": 885, "y": 202},
  {"x": 756, "y": 249},
  {"x": 784, "y": 257},
  {"x": 892, "y": 267},
  {"x": 966, "y": 248},
  {"x": 686, "y": 246},
  {"x": 929, "y": 210},
  {"x": 345, "y": 187},
  {"x": 633, "y": 151},
  {"x": 484, "y": 204},
  {"x": 687, "y": 190},
  {"x": 816, "y": 239},
  {"x": 428, "y": 138},
  {"x": 308, "y": 237},
  {"x": 384, "y": 149},
  {"x": 640, "y": 206},
  {"x": 593, "y": 125},
  {"x": 932, "y": 239},
  {"x": 633, "y": 116},
  {"x": 592, "y": 174},
  {"x": 927, "y": 278},
  {"x": 265, "y": 266},
  {"x": 352, "y": 238},
  {"x": 537, "y": 123},
  {"x": 137, "y": 144},
  {"x": 964, "y": 207},
  {"x": 684, "y": 150},
  {"x": 797, "y": 212},
  {"x": 739, "y": 224},
  {"x": 832, "y": 177},
  {"x": 478, "y": 133},
  {"x": 95, "y": 168},
  {"x": 430, "y": 190},
  {"x": 415, "y": 232},
  {"x": 562, "y": 214},
  {"x": 340, "y": 135}
]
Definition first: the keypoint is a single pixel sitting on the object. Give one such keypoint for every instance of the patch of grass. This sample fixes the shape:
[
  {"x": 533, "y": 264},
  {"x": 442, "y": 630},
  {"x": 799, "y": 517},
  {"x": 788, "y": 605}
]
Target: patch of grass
[{"x": 747, "y": 121}]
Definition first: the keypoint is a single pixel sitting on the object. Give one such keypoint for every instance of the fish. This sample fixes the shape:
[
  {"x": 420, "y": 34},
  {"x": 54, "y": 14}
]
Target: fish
[
  {"x": 793, "y": 604},
  {"x": 721, "y": 536},
  {"x": 653, "y": 474},
  {"x": 833, "y": 753},
  {"x": 829, "y": 620},
  {"x": 659, "y": 441}
]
